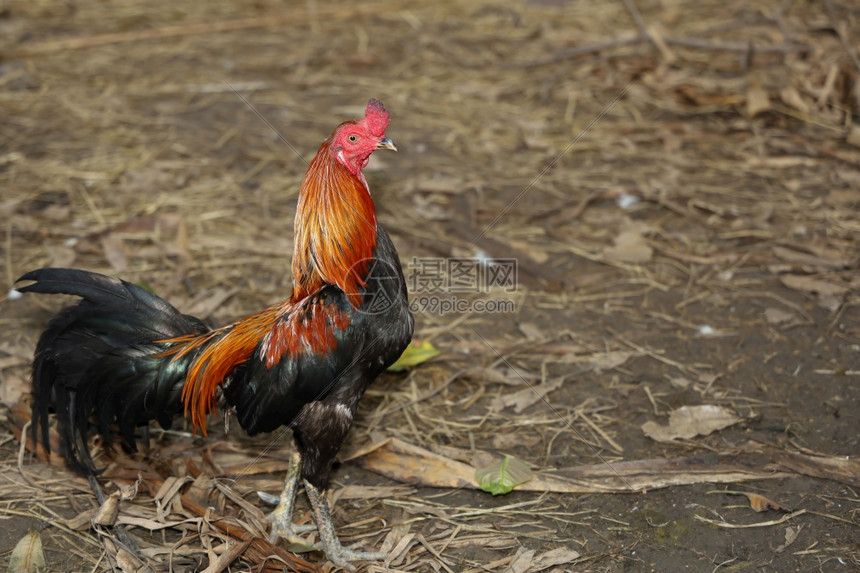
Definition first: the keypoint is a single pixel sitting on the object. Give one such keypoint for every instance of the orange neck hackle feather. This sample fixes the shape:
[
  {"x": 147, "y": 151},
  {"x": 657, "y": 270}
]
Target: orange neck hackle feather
[
  {"x": 335, "y": 229},
  {"x": 335, "y": 236}
]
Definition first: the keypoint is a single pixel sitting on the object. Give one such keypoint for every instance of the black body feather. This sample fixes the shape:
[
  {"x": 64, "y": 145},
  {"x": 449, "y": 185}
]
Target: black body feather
[
  {"x": 317, "y": 395},
  {"x": 102, "y": 356}
]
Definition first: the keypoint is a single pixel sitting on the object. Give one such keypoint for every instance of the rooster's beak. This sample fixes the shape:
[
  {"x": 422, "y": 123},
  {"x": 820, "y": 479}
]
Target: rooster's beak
[{"x": 386, "y": 143}]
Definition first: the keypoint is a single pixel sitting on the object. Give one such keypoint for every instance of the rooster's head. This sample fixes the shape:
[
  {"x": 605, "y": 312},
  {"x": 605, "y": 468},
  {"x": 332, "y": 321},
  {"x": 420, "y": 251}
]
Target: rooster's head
[{"x": 354, "y": 141}]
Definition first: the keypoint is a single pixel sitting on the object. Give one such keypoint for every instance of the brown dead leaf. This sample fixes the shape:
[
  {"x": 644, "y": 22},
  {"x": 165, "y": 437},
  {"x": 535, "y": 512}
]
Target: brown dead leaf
[
  {"x": 809, "y": 284},
  {"x": 399, "y": 552},
  {"x": 524, "y": 398},
  {"x": 758, "y": 502},
  {"x": 777, "y": 315},
  {"x": 148, "y": 524},
  {"x": 28, "y": 557},
  {"x": 821, "y": 260},
  {"x": 201, "y": 489},
  {"x": 792, "y": 98},
  {"x": 372, "y": 492},
  {"x": 531, "y": 330},
  {"x": 473, "y": 457},
  {"x": 127, "y": 561},
  {"x": 534, "y": 252},
  {"x": 553, "y": 557},
  {"x": 413, "y": 465},
  {"x": 396, "y": 533},
  {"x": 830, "y": 302},
  {"x": 603, "y": 361},
  {"x": 690, "y": 421},
  {"x": 680, "y": 382},
  {"x": 629, "y": 247},
  {"x": 108, "y": 512},
  {"x": 522, "y": 562},
  {"x": 417, "y": 466},
  {"x": 757, "y": 100},
  {"x": 791, "y": 534},
  {"x": 510, "y": 441},
  {"x": 166, "y": 493},
  {"x": 233, "y": 551},
  {"x": 82, "y": 521}
]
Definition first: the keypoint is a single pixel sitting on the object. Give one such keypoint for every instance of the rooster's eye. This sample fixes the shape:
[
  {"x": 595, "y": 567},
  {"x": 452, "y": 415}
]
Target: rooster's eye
[{"x": 353, "y": 138}]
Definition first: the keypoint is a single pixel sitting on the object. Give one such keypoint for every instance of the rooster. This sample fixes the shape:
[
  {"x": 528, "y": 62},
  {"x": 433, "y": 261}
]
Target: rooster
[{"x": 124, "y": 356}]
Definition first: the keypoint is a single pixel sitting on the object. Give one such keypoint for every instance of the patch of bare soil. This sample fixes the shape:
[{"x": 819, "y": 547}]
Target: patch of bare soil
[{"x": 677, "y": 182}]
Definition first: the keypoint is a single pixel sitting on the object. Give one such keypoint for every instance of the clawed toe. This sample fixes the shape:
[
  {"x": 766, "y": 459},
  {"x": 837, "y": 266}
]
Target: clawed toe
[
  {"x": 341, "y": 556},
  {"x": 289, "y": 531}
]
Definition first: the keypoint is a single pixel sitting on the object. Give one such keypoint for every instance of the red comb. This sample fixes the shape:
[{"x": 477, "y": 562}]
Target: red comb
[{"x": 376, "y": 118}]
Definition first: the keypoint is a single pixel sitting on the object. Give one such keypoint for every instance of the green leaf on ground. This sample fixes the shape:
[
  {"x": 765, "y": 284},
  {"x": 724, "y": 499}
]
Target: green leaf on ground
[
  {"x": 503, "y": 476},
  {"x": 416, "y": 353}
]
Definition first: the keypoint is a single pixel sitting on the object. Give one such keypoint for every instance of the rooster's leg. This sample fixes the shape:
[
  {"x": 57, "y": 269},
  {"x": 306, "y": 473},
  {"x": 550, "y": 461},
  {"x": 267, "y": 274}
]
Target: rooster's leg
[
  {"x": 334, "y": 551},
  {"x": 282, "y": 516}
]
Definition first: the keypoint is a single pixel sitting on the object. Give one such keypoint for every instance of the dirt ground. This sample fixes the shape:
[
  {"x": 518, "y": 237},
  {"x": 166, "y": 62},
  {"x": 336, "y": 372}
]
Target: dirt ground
[{"x": 678, "y": 183}]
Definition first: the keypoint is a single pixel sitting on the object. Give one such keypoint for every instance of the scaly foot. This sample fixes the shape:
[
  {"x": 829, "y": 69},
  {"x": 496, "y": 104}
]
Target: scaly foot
[
  {"x": 284, "y": 528},
  {"x": 341, "y": 556},
  {"x": 334, "y": 551},
  {"x": 282, "y": 516}
]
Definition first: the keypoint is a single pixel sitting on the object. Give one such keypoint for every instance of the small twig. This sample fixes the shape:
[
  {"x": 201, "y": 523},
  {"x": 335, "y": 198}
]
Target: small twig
[
  {"x": 651, "y": 33},
  {"x": 612, "y": 443},
  {"x": 741, "y": 47},
  {"x": 651, "y": 399},
  {"x": 21, "y": 450},
  {"x": 585, "y": 50},
  {"x": 725, "y": 525},
  {"x": 650, "y": 353},
  {"x": 637, "y": 18},
  {"x": 692, "y": 43}
]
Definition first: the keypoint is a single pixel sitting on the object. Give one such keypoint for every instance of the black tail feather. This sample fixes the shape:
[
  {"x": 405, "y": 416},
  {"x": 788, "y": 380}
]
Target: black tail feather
[{"x": 102, "y": 355}]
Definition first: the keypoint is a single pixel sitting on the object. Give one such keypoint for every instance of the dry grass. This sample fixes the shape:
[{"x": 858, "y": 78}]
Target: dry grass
[{"x": 698, "y": 244}]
